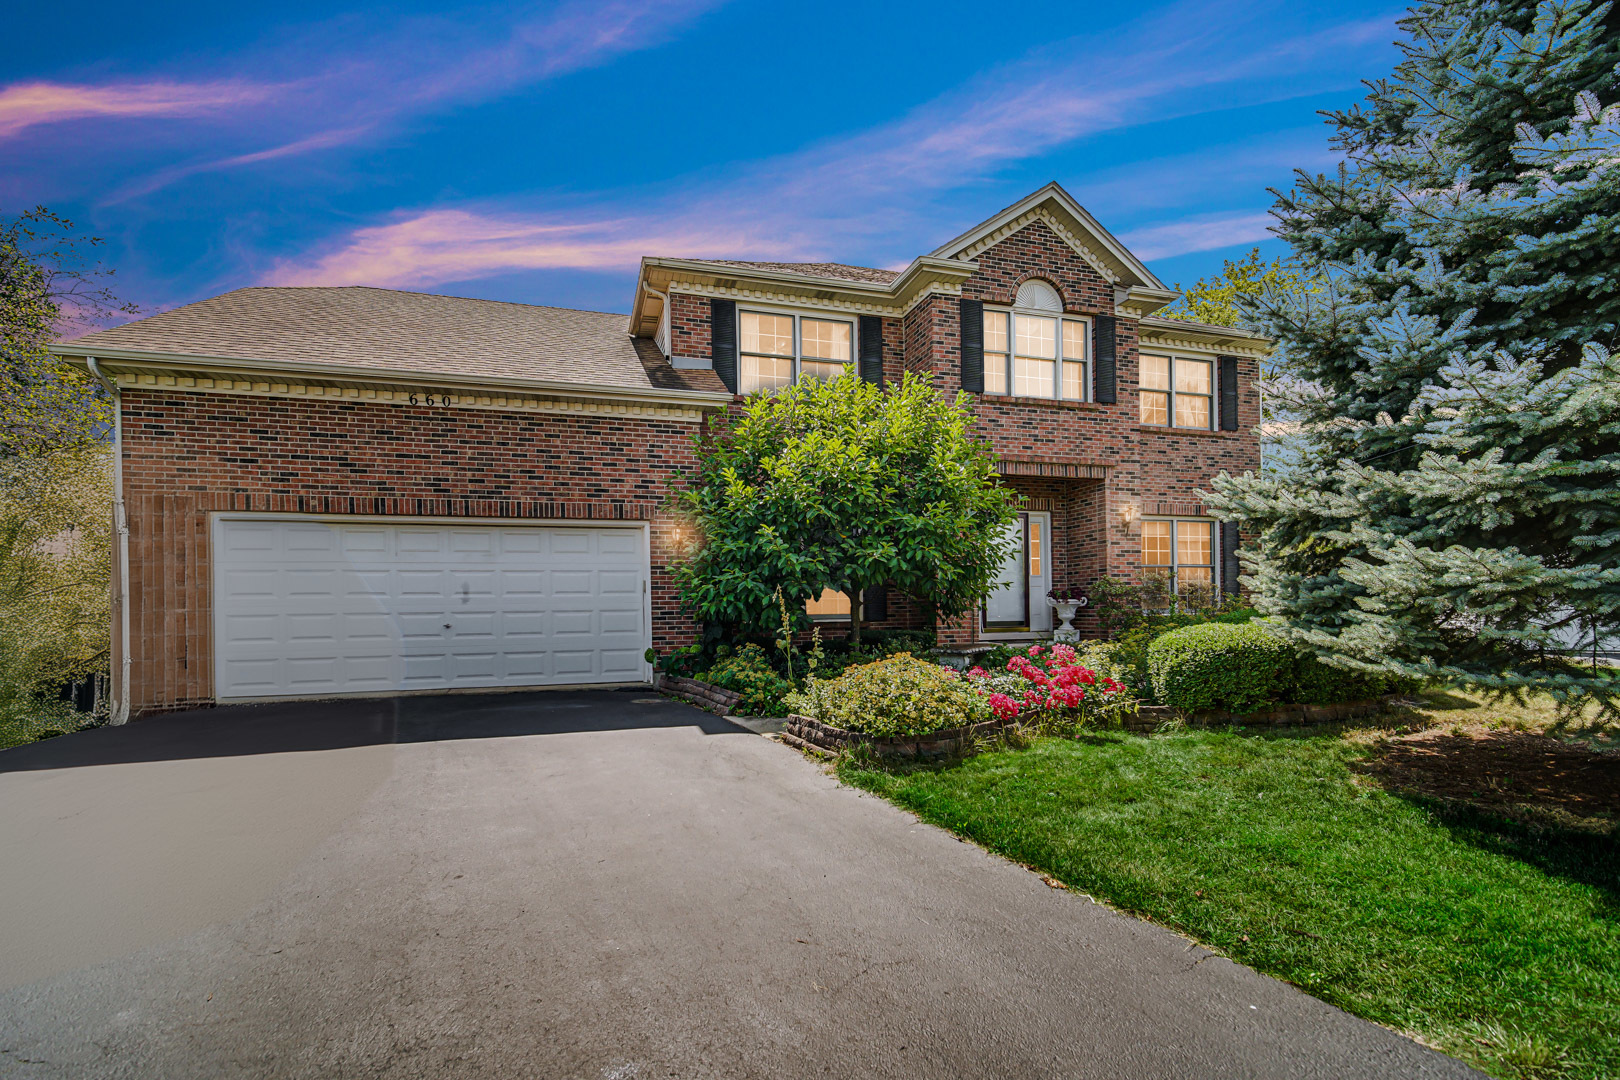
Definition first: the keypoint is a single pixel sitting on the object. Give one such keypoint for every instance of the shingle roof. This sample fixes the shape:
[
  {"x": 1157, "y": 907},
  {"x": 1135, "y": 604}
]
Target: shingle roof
[
  {"x": 836, "y": 271},
  {"x": 381, "y": 329}
]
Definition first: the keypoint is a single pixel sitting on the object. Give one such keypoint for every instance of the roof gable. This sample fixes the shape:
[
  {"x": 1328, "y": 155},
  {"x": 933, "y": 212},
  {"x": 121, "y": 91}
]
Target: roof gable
[{"x": 1066, "y": 217}]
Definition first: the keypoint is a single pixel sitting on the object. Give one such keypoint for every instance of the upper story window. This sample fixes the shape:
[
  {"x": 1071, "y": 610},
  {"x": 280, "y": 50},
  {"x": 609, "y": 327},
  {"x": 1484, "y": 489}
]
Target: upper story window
[
  {"x": 778, "y": 349},
  {"x": 1177, "y": 391},
  {"x": 1033, "y": 350}
]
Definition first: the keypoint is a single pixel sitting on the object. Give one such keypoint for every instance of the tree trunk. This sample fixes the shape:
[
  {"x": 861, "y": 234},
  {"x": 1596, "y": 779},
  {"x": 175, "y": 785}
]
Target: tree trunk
[{"x": 854, "y": 616}]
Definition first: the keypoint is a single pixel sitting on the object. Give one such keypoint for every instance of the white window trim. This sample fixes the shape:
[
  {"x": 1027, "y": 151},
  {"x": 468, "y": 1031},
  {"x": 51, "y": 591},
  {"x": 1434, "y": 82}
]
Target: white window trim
[
  {"x": 1177, "y": 355},
  {"x": 798, "y": 315},
  {"x": 1011, "y": 312},
  {"x": 1214, "y": 563}
]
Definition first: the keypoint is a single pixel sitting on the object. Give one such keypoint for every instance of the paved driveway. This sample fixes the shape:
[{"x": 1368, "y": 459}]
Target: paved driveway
[{"x": 569, "y": 885}]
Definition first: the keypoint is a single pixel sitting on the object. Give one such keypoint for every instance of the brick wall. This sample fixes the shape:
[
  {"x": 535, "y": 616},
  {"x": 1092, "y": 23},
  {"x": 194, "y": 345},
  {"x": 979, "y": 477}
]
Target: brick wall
[
  {"x": 188, "y": 454},
  {"x": 689, "y": 325}
]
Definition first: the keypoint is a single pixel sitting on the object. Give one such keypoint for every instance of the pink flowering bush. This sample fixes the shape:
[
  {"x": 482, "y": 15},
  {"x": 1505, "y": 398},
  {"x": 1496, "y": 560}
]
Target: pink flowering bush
[{"x": 1049, "y": 683}]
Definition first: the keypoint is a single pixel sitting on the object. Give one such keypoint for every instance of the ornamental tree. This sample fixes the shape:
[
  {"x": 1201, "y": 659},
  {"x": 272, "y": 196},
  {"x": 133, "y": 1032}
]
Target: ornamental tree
[
  {"x": 841, "y": 485},
  {"x": 1455, "y": 511}
]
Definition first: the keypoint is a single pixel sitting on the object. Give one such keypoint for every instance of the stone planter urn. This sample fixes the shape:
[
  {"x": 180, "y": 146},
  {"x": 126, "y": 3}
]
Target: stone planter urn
[{"x": 1066, "y": 610}]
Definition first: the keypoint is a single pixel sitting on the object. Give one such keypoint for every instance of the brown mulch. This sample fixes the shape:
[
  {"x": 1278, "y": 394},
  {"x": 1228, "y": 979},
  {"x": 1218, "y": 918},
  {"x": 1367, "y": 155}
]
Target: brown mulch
[{"x": 1520, "y": 775}]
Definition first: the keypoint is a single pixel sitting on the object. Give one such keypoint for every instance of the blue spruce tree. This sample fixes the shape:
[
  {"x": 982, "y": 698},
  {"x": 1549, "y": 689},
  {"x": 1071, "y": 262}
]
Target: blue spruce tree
[{"x": 1453, "y": 509}]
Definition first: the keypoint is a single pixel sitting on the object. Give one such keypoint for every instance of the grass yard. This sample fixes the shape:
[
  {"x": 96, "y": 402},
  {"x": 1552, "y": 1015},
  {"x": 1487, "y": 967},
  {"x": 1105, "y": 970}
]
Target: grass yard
[{"x": 1488, "y": 927}]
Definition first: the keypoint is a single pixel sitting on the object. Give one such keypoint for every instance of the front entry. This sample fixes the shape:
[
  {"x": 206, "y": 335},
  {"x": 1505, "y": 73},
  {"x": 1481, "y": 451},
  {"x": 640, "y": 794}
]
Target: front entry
[{"x": 1018, "y": 602}]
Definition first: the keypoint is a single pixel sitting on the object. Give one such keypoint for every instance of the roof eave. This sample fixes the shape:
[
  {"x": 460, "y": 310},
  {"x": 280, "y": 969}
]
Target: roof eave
[{"x": 112, "y": 359}]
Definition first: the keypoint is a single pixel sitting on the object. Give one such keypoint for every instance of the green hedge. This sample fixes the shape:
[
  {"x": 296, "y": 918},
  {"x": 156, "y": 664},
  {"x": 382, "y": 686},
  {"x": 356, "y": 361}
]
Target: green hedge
[
  {"x": 1243, "y": 668},
  {"x": 1236, "y": 667}
]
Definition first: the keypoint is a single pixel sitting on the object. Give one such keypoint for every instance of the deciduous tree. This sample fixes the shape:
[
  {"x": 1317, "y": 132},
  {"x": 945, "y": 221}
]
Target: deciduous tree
[{"x": 845, "y": 486}]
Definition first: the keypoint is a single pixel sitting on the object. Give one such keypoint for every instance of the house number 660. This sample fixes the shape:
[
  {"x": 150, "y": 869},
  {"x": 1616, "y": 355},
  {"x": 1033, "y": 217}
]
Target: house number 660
[{"x": 429, "y": 399}]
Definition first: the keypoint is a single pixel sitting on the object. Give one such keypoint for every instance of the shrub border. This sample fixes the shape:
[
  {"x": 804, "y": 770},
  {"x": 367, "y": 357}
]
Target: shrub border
[{"x": 1150, "y": 716}]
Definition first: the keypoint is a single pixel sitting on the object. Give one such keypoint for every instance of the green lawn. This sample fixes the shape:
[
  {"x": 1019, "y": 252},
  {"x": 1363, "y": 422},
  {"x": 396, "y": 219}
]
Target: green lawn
[{"x": 1497, "y": 942}]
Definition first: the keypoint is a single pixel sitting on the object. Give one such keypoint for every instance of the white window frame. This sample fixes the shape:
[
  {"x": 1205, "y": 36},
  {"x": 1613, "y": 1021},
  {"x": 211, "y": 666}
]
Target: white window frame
[
  {"x": 1010, "y": 378},
  {"x": 1172, "y": 393},
  {"x": 1175, "y": 551},
  {"x": 798, "y": 317}
]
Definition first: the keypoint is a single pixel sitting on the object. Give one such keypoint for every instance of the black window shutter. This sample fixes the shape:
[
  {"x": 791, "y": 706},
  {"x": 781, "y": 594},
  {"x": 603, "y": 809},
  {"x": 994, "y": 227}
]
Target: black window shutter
[
  {"x": 1229, "y": 400},
  {"x": 1103, "y": 367},
  {"x": 723, "y": 340},
  {"x": 875, "y": 604},
  {"x": 973, "y": 346},
  {"x": 1230, "y": 567},
  {"x": 872, "y": 348}
]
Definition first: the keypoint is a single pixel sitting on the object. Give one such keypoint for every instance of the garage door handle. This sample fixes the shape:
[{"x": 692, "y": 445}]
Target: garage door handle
[{"x": 447, "y": 626}]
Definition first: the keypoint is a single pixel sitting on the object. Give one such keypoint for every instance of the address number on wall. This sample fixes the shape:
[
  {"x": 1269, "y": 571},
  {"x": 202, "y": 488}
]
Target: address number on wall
[{"x": 429, "y": 399}]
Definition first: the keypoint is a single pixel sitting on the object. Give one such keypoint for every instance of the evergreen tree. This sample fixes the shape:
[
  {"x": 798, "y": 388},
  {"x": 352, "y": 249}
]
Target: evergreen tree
[{"x": 1457, "y": 508}]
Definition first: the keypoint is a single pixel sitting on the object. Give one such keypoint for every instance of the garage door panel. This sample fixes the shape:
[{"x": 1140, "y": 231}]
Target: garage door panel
[{"x": 318, "y": 607}]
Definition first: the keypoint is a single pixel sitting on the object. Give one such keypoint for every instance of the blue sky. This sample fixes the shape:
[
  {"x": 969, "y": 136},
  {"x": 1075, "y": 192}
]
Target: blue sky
[{"x": 535, "y": 152}]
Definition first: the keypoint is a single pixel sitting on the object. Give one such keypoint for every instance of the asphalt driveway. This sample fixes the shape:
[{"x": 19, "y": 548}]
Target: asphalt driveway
[{"x": 602, "y": 885}]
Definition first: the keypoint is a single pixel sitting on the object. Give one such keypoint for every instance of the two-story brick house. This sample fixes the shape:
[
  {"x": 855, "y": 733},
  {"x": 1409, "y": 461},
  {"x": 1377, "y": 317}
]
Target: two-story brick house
[{"x": 332, "y": 491}]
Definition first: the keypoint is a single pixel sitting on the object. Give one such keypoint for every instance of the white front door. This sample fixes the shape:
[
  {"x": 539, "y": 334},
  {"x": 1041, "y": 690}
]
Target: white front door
[
  {"x": 306, "y": 607},
  {"x": 1018, "y": 602}
]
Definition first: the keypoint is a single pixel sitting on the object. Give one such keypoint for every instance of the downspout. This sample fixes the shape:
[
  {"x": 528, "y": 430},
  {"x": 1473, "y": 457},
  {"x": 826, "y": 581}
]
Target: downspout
[{"x": 120, "y": 704}]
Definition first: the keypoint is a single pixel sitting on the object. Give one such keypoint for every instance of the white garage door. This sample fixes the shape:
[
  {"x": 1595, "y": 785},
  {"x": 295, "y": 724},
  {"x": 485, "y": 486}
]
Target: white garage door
[{"x": 308, "y": 607}]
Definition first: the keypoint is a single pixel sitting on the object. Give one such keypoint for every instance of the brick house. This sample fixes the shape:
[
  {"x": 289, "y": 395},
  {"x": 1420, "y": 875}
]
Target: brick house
[{"x": 329, "y": 491}]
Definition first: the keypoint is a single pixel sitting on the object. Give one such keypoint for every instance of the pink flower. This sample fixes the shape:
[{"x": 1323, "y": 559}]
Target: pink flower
[
  {"x": 1034, "y": 650},
  {"x": 1064, "y": 654},
  {"x": 977, "y": 672},
  {"x": 1087, "y": 677},
  {"x": 1003, "y": 706}
]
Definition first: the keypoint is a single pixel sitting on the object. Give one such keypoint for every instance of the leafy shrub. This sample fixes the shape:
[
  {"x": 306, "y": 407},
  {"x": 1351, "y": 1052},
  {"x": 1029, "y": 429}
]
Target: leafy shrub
[
  {"x": 1236, "y": 667},
  {"x": 749, "y": 672},
  {"x": 900, "y": 695},
  {"x": 1316, "y": 683}
]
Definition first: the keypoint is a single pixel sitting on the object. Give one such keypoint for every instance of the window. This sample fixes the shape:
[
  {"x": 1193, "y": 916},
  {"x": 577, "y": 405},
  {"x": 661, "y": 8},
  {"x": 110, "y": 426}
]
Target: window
[
  {"x": 1177, "y": 387},
  {"x": 1032, "y": 350},
  {"x": 830, "y": 606},
  {"x": 1179, "y": 557},
  {"x": 776, "y": 349}
]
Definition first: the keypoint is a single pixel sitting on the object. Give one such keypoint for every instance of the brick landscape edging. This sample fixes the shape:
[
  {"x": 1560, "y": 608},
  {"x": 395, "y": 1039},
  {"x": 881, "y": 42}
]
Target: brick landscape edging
[
  {"x": 715, "y": 699},
  {"x": 819, "y": 738},
  {"x": 1148, "y": 717}
]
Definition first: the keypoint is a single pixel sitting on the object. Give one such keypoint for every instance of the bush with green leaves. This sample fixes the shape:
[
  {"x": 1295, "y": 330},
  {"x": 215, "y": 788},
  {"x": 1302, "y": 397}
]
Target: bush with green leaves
[
  {"x": 1316, "y": 683},
  {"x": 901, "y": 695},
  {"x": 840, "y": 485},
  {"x": 1236, "y": 667},
  {"x": 748, "y": 672}
]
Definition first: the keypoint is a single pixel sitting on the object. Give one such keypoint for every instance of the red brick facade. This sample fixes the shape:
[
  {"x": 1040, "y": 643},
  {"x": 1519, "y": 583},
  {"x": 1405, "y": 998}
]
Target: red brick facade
[{"x": 189, "y": 453}]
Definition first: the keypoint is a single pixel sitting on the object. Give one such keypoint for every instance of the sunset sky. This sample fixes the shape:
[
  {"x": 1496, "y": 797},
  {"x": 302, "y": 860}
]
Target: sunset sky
[{"x": 534, "y": 153}]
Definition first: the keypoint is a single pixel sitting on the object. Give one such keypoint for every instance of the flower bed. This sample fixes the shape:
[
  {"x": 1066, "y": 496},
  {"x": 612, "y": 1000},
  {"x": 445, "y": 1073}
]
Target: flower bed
[{"x": 1050, "y": 682}]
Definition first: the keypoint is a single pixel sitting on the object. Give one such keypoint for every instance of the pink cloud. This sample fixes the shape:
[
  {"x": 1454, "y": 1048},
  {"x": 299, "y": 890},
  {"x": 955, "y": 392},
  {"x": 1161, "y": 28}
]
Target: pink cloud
[
  {"x": 459, "y": 245},
  {"x": 24, "y": 105}
]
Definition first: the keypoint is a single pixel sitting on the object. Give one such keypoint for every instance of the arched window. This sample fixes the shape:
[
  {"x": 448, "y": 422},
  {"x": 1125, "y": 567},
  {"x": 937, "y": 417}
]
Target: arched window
[{"x": 1033, "y": 350}]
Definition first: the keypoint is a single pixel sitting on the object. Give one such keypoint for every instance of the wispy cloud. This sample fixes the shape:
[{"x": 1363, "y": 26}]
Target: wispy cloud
[
  {"x": 459, "y": 245},
  {"x": 26, "y": 105},
  {"x": 322, "y": 101},
  {"x": 873, "y": 186},
  {"x": 1199, "y": 234}
]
